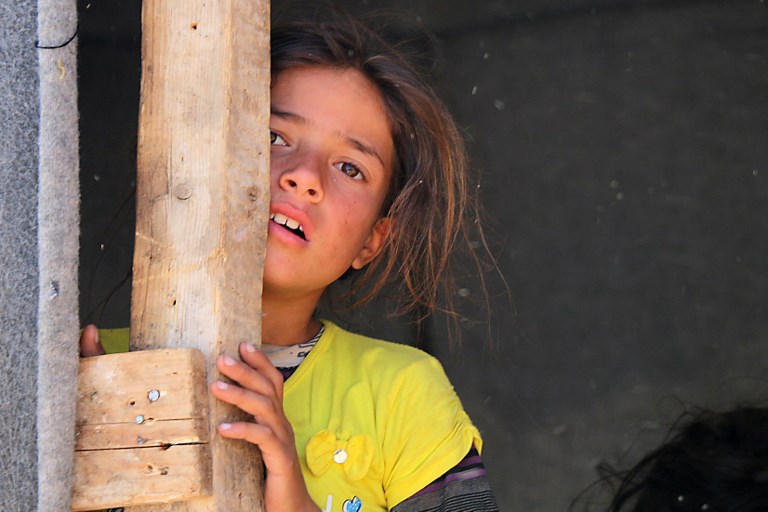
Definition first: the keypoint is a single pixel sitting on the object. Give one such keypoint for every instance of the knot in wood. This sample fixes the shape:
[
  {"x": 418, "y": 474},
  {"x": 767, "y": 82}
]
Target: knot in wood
[{"x": 182, "y": 191}]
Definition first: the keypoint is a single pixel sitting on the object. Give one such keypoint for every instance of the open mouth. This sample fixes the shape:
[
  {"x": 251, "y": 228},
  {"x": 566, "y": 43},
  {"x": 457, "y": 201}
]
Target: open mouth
[{"x": 291, "y": 225}]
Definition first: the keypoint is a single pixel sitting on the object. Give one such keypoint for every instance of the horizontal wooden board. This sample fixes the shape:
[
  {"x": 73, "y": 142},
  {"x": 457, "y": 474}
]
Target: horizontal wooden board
[
  {"x": 113, "y": 478},
  {"x": 156, "y": 385},
  {"x": 148, "y": 434},
  {"x": 142, "y": 429}
]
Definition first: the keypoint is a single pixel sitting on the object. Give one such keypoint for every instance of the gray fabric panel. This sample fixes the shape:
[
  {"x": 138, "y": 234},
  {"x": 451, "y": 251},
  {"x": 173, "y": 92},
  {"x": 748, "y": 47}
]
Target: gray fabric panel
[
  {"x": 18, "y": 254},
  {"x": 58, "y": 228}
]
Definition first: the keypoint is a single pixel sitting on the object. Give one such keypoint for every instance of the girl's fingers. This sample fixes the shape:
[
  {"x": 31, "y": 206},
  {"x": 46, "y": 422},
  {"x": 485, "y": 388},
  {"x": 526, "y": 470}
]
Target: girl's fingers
[
  {"x": 258, "y": 361},
  {"x": 279, "y": 454},
  {"x": 89, "y": 342},
  {"x": 253, "y": 378},
  {"x": 258, "y": 391},
  {"x": 271, "y": 430},
  {"x": 251, "y": 432},
  {"x": 261, "y": 407}
]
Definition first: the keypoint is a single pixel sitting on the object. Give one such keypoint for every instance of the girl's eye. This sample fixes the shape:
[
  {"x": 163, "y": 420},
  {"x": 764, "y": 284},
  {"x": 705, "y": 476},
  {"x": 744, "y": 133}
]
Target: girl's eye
[
  {"x": 276, "y": 140},
  {"x": 350, "y": 170}
]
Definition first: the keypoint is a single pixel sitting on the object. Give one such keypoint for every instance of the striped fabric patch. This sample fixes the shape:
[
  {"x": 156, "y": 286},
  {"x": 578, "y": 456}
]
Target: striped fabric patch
[{"x": 462, "y": 488}]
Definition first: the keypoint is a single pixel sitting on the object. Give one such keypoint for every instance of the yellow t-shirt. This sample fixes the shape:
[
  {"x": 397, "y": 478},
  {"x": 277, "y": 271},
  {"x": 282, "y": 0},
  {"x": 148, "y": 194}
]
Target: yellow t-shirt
[
  {"x": 374, "y": 421},
  {"x": 115, "y": 340}
]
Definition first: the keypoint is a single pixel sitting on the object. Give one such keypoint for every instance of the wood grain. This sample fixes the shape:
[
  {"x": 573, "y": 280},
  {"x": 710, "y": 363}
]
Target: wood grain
[
  {"x": 142, "y": 429},
  {"x": 202, "y": 202}
]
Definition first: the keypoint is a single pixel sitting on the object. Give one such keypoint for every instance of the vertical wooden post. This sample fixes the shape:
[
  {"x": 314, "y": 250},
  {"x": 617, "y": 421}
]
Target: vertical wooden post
[{"x": 202, "y": 202}]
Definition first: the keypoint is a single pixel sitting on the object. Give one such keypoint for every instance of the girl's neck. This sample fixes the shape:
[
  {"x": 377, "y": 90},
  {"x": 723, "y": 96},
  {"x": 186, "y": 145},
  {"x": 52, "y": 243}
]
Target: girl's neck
[{"x": 288, "y": 322}]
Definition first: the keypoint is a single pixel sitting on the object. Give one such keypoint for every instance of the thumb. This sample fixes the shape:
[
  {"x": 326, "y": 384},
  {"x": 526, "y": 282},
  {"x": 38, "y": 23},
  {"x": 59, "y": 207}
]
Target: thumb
[{"x": 89, "y": 342}]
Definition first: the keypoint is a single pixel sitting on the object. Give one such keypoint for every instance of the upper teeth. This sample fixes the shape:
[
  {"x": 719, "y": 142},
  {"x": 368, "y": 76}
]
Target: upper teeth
[{"x": 285, "y": 221}]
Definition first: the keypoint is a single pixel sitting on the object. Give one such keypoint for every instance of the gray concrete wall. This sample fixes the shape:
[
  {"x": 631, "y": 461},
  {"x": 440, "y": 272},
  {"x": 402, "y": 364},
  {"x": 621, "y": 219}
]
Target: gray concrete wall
[
  {"x": 39, "y": 227},
  {"x": 19, "y": 90},
  {"x": 622, "y": 147}
]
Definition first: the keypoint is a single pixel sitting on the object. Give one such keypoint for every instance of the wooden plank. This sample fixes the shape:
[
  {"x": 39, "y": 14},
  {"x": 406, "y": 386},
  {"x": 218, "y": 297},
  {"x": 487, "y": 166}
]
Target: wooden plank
[
  {"x": 142, "y": 399},
  {"x": 202, "y": 203},
  {"x": 115, "y": 388},
  {"x": 143, "y": 475},
  {"x": 140, "y": 435},
  {"x": 155, "y": 403}
]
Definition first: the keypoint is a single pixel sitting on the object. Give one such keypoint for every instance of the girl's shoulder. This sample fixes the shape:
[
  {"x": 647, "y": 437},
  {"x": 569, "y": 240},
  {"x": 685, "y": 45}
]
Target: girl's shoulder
[
  {"x": 362, "y": 345},
  {"x": 368, "y": 354}
]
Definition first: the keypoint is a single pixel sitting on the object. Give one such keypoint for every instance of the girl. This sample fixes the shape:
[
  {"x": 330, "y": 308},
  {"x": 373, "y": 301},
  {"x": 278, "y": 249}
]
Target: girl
[{"x": 368, "y": 174}]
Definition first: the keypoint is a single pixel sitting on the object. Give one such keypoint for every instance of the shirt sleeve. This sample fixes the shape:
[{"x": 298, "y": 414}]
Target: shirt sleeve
[
  {"x": 464, "y": 487},
  {"x": 115, "y": 340},
  {"x": 427, "y": 430}
]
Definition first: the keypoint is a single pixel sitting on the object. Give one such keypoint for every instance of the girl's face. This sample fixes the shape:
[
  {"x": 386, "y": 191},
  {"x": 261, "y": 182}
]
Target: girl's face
[{"x": 332, "y": 153}]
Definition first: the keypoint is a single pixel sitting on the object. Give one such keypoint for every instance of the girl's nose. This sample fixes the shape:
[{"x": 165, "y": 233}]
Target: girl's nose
[{"x": 305, "y": 179}]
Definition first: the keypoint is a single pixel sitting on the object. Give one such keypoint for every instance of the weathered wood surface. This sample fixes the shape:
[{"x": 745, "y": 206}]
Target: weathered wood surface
[
  {"x": 142, "y": 475},
  {"x": 142, "y": 429},
  {"x": 202, "y": 202},
  {"x": 142, "y": 399}
]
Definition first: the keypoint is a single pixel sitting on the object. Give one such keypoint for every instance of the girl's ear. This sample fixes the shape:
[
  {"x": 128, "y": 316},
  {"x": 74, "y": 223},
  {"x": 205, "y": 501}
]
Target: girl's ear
[{"x": 373, "y": 244}]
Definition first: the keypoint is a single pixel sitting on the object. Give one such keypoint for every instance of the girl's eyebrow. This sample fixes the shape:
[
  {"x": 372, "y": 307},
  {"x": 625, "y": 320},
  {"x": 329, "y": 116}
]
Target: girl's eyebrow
[{"x": 360, "y": 146}]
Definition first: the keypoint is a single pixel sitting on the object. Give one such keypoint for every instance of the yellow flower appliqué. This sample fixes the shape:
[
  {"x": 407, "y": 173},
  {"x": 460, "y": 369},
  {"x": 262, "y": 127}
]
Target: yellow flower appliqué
[{"x": 354, "y": 455}]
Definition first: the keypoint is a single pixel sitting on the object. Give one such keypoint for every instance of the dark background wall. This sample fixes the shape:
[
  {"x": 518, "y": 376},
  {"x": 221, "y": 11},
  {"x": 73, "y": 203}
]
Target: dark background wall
[{"x": 623, "y": 151}]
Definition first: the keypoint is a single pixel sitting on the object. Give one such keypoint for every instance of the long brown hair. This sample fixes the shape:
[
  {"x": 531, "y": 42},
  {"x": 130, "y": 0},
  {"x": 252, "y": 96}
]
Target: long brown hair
[{"x": 430, "y": 201}]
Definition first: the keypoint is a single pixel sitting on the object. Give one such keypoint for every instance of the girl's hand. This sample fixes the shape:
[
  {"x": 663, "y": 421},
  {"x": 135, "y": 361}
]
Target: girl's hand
[
  {"x": 260, "y": 393},
  {"x": 89, "y": 342}
]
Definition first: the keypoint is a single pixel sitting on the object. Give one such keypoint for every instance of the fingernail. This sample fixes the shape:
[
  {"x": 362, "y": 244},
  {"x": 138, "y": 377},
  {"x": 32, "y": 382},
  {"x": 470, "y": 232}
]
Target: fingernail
[
  {"x": 228, "y": 361},
  {"x": 249, "y": 347},
  {"x": 222, "y": 385},
  {"x": 225, "y": 426}
]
